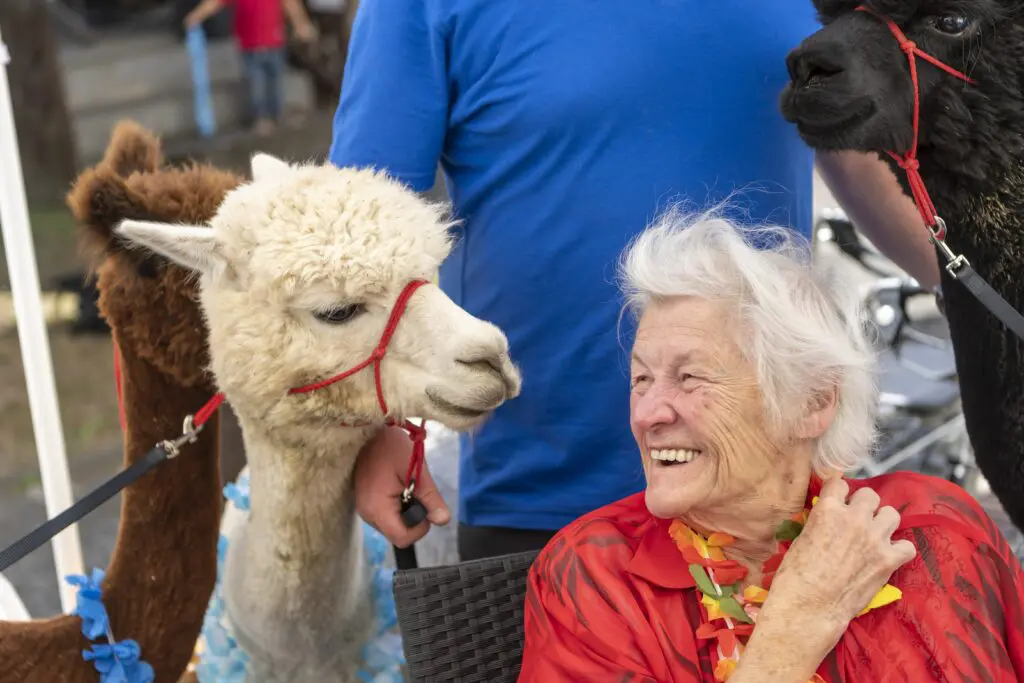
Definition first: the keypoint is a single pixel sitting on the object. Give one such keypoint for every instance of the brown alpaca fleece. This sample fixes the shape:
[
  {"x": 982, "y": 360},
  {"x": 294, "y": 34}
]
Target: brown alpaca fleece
[{"x": 163, "y": 569}]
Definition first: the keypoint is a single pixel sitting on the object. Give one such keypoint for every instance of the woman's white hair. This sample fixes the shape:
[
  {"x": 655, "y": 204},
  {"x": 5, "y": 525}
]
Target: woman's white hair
[{"x": 802, "y": 331}]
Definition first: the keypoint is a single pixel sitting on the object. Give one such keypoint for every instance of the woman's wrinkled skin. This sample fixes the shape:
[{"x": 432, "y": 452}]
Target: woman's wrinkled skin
[{"x": 693, "y": 388}]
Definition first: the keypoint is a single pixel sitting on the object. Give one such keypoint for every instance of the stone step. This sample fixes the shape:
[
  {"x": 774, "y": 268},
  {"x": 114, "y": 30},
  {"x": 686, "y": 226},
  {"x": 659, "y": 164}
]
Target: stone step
[
  {"x": 148, "y": 78},
  {"x": 172, "y": 114},
  {"x": 130, "y": 70}
]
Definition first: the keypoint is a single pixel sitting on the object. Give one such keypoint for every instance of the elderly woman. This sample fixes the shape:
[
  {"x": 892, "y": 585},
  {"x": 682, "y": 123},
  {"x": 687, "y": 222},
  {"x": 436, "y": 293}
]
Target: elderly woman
[{"x": 748, "y": 558}]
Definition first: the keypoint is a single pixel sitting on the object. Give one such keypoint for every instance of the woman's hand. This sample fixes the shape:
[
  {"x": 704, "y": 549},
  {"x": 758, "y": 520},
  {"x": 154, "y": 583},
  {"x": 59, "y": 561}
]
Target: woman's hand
[{"x": 843, "y": 556}]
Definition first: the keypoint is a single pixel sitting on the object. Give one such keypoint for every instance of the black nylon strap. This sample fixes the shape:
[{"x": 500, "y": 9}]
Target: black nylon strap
[
  {"x": 990, "y": 299},
  {"x": 90, "y": 502}
]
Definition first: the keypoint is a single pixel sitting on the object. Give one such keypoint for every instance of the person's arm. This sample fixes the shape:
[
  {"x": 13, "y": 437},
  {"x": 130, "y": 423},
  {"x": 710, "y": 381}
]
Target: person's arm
[
  {"x": 202, "y": 12},
  {"x": 873, "y": 199},
  {"x": 299, "y": 19},
  {"x": 393, "y": 115},
  {"x": 393, "y": 110}
]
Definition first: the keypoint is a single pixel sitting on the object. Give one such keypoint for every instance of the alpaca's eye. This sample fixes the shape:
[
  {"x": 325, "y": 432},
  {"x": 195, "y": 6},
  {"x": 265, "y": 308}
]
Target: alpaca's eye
[
  {"x": 951, "y": 24},
  {"x": 340, "y": 314}
]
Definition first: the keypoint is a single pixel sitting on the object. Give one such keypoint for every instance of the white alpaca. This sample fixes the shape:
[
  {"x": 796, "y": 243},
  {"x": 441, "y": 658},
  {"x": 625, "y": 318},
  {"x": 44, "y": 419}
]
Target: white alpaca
[{"x": 299, "y": 276}]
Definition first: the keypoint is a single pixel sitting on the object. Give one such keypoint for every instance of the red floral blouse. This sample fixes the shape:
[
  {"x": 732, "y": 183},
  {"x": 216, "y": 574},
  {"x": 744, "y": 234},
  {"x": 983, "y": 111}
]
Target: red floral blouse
[{"x": 611, "y": 599}]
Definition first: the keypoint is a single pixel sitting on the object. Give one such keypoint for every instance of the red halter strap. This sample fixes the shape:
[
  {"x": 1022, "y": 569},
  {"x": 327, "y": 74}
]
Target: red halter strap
[
  {"x": 377, "y": 356},
  {"x": 908, "y": 161},
  {"x": 417, "y": 433},
  {"x": 195, "y": 421}
]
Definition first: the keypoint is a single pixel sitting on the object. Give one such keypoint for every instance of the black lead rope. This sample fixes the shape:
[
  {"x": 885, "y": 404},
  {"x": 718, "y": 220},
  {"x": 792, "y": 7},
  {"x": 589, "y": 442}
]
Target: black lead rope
[
  {"x": 44, "y": 532},
  {"x": 960, "y": 269},
  {"x": 157, "y": 455},
  {"x": 413, "y": 513}
]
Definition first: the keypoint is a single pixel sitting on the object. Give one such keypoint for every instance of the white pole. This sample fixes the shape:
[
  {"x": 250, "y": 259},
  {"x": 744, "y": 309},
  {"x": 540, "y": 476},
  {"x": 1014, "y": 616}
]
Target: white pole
[{"x": 35, "y": 346}]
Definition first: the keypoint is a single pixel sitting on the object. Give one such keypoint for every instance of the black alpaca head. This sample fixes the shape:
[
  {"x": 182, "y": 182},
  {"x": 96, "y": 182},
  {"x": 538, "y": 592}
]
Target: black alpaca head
[{"x": 851, "y": 85}]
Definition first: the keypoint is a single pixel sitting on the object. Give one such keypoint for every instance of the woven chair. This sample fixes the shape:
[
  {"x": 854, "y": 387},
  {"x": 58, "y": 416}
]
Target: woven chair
[{"x": 464, "y": 622}]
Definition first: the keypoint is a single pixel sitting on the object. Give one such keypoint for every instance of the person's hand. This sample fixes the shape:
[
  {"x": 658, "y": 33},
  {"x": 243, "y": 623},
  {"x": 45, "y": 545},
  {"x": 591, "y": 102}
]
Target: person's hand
[
  {"x": 192, "y": 20},
  {"x": 305, "y": 32},
  {"x": 379, "y": 482},
  {"x": 842, "y": 558}
]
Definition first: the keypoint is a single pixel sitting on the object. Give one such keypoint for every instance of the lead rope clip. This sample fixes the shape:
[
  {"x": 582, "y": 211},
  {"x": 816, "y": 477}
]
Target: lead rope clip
[{"x": 189, "y": 434}]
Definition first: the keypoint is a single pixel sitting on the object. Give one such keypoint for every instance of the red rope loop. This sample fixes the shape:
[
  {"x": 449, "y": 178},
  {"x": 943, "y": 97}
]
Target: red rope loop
[{"x": 908, "y": 161}]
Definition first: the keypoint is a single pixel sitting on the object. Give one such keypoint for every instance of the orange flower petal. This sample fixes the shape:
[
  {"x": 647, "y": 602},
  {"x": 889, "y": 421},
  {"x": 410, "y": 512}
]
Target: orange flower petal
[
  {"x": 755, "y": 594},
  {"x": 724, "y": 669},
  {"x": 726, "y": 576},
  {"x": 705, "y": 631},
  {"x": 727, "y": 641},
  {"x": 720, "y": 539},
  {"x": 716, "y": 554},
  {"x": 691, "y": 556}
]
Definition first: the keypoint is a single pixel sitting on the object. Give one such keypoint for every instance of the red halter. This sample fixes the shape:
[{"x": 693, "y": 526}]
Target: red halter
[
  {"x": 908, "y": 161},
  {"x": 417, "y": 433}
]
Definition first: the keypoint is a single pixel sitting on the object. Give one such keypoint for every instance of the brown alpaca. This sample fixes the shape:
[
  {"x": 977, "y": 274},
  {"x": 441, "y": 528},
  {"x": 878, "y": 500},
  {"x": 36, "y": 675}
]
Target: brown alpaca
[{"x": 163, "y": 568}]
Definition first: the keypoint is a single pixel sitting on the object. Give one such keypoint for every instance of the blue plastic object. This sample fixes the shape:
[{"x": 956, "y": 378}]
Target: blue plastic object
[{"x": 195, "y": 42}]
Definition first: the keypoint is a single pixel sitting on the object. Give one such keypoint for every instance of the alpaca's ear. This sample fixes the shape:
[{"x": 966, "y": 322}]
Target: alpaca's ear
[
  {"x": 190, "y": 246},
  {"x": 132, "y": 149},
  {"x": 99, "y": 200},
  {"x": 265, "y": 166}
]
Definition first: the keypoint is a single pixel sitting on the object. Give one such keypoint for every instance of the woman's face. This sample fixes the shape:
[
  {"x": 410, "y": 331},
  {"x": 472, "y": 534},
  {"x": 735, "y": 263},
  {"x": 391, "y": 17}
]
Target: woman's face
[{"x": 697, "y": 413}]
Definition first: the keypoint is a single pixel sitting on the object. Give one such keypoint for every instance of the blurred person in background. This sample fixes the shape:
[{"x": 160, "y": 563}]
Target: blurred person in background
[
  {"x": 562, "y": 129},
  {"x": 260, "y": 33}
]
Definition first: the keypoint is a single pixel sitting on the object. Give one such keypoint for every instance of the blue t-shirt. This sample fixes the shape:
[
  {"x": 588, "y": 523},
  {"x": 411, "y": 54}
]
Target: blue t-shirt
[{"x": 563, "y": 128}]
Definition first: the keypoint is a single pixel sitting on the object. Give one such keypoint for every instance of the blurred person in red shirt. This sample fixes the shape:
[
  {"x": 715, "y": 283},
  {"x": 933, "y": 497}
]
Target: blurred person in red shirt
[{"x": 260, "y": 33}]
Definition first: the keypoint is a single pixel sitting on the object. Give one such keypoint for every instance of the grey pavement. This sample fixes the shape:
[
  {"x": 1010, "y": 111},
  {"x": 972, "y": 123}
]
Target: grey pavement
[{"x": 22, "y": 509}]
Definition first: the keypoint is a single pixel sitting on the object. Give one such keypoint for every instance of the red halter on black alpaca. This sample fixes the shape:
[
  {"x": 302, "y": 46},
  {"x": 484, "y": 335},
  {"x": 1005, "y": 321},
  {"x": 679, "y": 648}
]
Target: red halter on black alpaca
[
  {"x": 958, "y": 267},
  {"x": 908, "y": 161}
]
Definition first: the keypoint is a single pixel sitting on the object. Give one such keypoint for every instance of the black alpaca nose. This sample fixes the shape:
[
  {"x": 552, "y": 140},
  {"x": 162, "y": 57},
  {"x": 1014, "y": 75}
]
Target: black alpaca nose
[{"x": 811, "y": 64}]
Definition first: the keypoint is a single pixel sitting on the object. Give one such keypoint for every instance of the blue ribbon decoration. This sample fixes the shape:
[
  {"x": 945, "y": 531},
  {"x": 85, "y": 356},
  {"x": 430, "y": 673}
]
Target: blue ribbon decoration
[{"x": 116, "y": 662}]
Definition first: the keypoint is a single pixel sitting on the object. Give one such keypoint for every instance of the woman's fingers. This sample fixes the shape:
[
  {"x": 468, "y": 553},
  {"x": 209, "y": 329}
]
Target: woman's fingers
[
  {"x": 887, "y": 520},
  {"x": 865, "y": 501},
  {"x": 903, "y": 551},
  {"x": 834, "y": 489}
]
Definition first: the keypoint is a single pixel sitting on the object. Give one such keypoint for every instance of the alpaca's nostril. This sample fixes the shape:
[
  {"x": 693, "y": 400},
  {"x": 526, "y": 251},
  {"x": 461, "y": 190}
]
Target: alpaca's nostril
[
  {"x": 809, "y": 67},
  {"x": 486, "y": 364}
]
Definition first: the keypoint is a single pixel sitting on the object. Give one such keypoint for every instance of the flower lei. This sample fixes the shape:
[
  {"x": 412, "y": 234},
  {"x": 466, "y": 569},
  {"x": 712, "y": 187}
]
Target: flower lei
[
  {"x": 116, "y": 662},
  {"x": 732, "y": 610}
]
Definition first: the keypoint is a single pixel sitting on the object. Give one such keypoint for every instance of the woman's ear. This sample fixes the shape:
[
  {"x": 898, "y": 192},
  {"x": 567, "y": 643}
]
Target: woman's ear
[{"x": 819, "y": 413}]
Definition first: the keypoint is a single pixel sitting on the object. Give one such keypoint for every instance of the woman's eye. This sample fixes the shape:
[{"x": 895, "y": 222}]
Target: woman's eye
[
  {"x": 951, "y": 24},
  {"x": 638, "y": 380},
  {"x": 689, "y": 382},
  {"x": 340, "y": 314}
]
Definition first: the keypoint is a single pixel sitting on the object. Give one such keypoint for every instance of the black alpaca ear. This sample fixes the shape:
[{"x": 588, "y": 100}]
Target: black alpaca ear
[
  {"x": 827, "y": 10},
  {"x": 132, "y": 149}
]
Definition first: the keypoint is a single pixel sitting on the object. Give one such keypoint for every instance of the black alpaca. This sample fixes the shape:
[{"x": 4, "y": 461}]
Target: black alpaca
[{"x": 851, "y": 89}]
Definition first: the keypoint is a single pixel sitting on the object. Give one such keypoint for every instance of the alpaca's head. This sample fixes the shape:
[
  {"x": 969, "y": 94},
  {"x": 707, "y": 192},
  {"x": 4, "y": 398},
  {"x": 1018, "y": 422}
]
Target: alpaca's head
[
  {"x": 150, "y": 301},
  {"x": 300, "y": 271},
  {"x": 851, "y": 85}
]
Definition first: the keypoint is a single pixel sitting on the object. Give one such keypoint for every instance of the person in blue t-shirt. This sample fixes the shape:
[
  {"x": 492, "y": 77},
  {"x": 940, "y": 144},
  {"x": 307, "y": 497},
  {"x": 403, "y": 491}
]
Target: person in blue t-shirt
[{"x": 562, "y": 129}]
